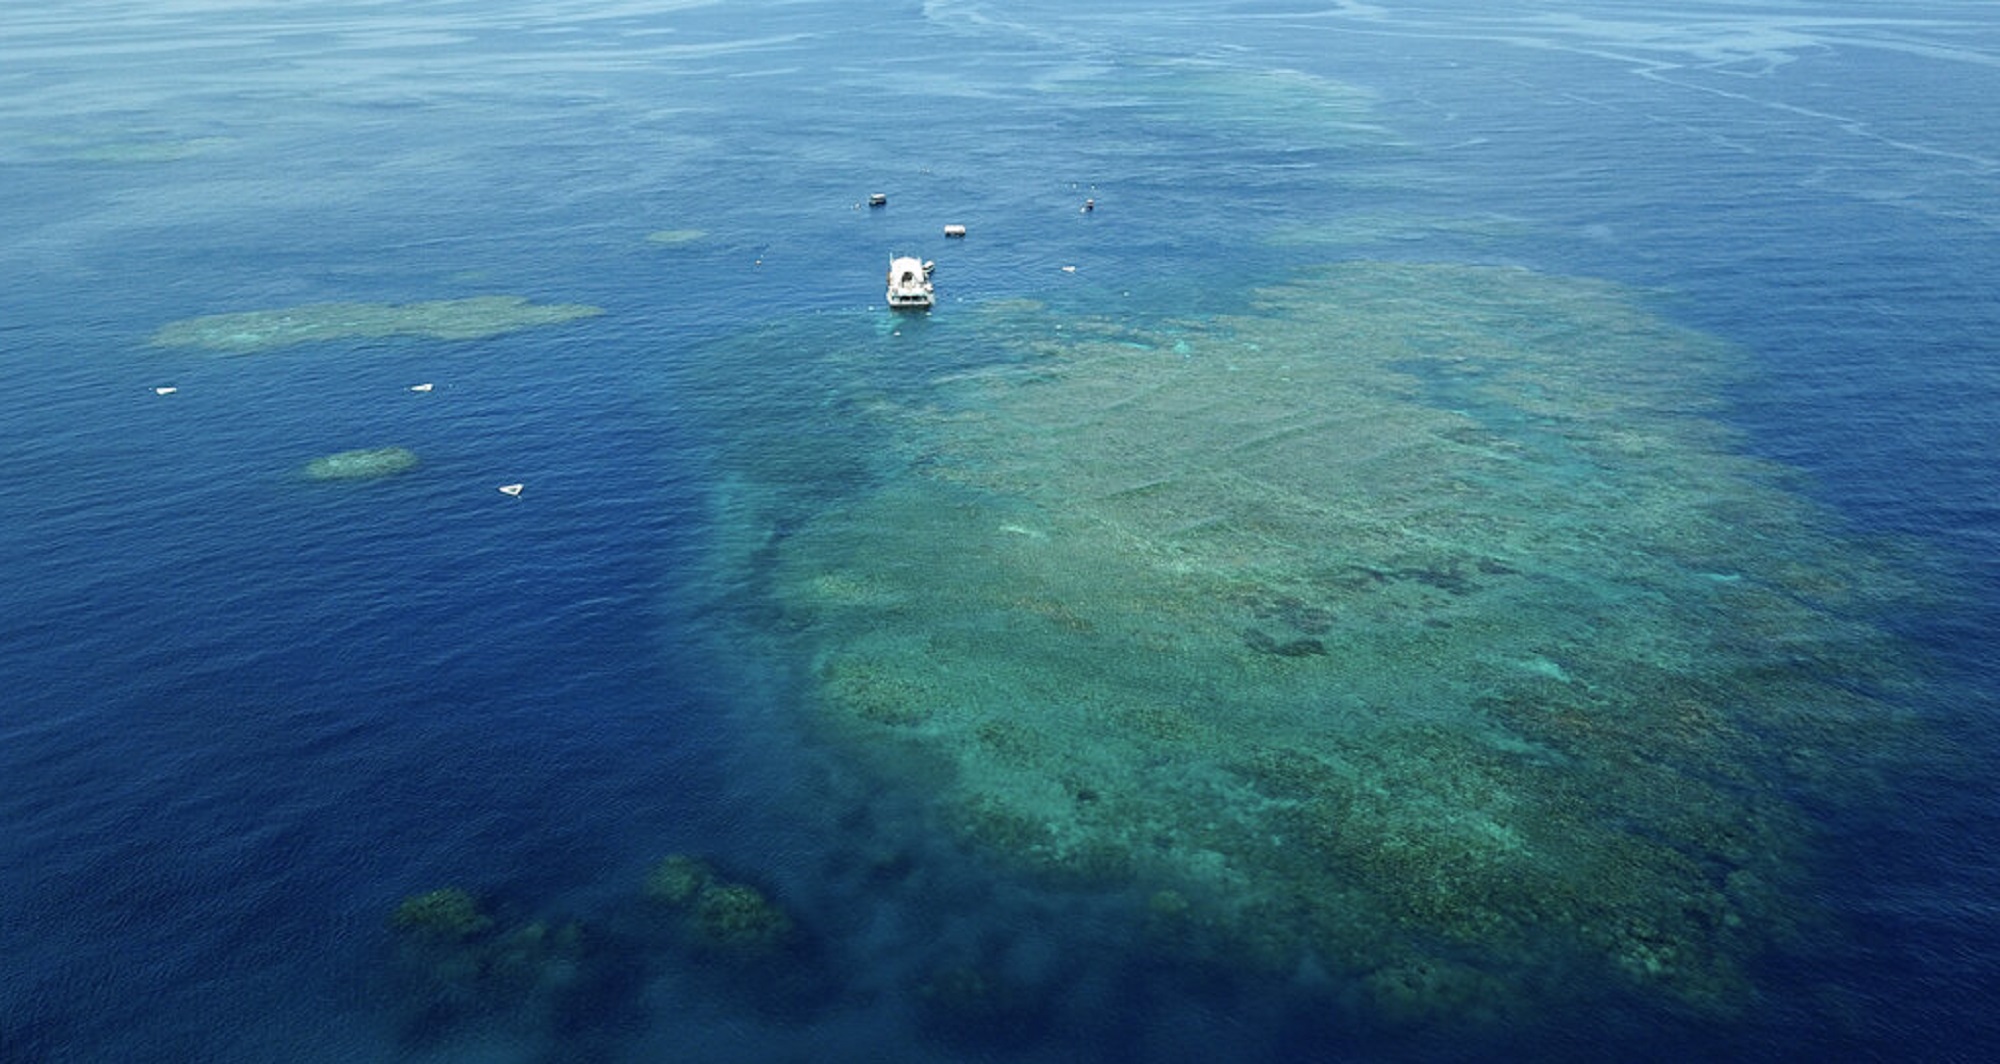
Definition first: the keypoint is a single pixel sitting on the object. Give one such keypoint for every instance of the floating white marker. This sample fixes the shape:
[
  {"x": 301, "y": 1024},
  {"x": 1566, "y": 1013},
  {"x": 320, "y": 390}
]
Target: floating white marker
[
  {"x": 511, "y": 489},
  {"x": 424, "y": 387},
  {"x": 1069, "y": 269},
  {"x": 165, "y": 391}
]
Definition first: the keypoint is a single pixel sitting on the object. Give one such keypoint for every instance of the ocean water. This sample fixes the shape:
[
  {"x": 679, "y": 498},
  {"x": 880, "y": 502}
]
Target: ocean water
[{"x": 1482, "y": 545}]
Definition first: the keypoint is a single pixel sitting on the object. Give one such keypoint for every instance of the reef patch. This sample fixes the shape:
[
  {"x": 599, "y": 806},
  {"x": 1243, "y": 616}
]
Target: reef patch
[
  {"x": 1266, "y": 656},
  {"x": 478, "y": 317},
  {"x": 365, "y": 464}
]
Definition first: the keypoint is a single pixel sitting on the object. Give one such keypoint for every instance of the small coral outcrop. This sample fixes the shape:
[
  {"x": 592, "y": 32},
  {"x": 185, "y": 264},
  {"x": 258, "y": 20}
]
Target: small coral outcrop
[
  {"x": 738, "y": 917},
  {"x": 365, "y": 464},
  {"x": 456, "y": 963},
  {"x": 445, "y": 915},
  {"x": 718, "y": 914},
  {"x": 677, "y": 879}
]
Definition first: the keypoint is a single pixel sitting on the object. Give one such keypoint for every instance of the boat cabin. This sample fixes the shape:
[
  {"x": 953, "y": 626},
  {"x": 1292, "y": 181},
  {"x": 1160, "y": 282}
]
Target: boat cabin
[{"x": 910, "y": 283}]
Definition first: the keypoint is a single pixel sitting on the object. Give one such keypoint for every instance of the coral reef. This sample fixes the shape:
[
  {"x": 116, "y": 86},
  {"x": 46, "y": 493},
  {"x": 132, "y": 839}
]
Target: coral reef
[
  {"x": 444, "y": 915},
  {"x": 716, "y": 914},
  {"x": 364, "y": 464},
  {"x": 478, "y": 317},
  {"x": 456, "y": 963},
  {"x": 740, "y": 918},
  {"x": 677, "y": 879},
  {"x": 1416, "y": 621}
]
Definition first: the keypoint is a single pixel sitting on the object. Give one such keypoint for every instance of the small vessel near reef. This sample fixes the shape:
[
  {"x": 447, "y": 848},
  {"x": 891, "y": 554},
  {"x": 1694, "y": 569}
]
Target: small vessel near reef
[{"x": 910, "y": 283}]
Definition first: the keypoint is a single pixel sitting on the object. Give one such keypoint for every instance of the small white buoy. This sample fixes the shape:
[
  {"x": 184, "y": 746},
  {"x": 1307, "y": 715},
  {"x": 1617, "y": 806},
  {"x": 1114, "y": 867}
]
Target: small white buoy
[
  {"x": 165, "y": 391},
  {"x": 954, "y": 230},
  {"x": 424, "y": 387},
  {"x": 512, "y": 489}
]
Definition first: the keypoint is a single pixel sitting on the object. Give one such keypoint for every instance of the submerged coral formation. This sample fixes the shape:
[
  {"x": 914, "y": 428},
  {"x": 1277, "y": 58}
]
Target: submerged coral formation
[
  {"x": 446, "y": 914},
  {"x": 363, "y": 464},
  {"x": 719, "y": 914},
  {"x": 677, "y": 879},
  {"x": 456, "y": 962},
  {"x": 1422, "y": 621},
  {"x": 475, "y": 318}
]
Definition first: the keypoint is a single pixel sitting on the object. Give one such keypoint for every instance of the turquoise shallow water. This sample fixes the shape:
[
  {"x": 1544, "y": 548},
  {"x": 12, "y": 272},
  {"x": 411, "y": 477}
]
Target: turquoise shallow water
[{"x": 248, "y": 714}]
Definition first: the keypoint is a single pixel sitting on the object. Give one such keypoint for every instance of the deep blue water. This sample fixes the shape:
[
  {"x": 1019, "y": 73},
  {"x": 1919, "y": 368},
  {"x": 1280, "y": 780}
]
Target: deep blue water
[{"x": 246, "y": 713}]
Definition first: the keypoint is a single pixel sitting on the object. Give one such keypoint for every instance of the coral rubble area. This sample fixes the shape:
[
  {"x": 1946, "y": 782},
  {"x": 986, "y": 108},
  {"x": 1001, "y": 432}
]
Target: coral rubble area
[
  {"x": 474, "y": 318},
  {"x": 1421, "y": 623}
]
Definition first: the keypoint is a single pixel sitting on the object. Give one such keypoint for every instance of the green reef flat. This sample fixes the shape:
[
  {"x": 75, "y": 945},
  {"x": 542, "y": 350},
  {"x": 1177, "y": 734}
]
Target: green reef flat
[
  {"x": 366, "y": 464},
  {"x": 1421, "y": 623},
  {"x": 247, "y": 332}
]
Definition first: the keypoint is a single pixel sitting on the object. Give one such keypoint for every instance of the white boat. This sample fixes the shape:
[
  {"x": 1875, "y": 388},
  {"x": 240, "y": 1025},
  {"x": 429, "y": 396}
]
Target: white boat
[
  {"x": 910, "y": 283},
  {"x": 512, "y": 489}
]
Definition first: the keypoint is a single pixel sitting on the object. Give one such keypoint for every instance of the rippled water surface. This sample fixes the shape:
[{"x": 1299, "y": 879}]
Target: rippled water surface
[{"x": 1480, "y": 543}]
